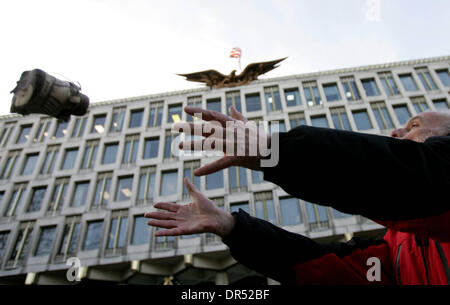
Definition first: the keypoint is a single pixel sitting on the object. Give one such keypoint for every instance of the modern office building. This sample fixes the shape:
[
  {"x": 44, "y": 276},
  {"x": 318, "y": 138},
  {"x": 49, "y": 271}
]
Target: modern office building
[{"x": 80, "y": 189}]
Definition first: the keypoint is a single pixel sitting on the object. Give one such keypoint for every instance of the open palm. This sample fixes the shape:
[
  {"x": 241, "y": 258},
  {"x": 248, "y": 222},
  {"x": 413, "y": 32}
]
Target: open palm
[{"x": 199, "y": 216}]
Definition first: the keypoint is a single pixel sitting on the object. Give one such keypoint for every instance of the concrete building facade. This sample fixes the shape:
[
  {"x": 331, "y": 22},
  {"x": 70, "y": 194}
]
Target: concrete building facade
[{"x": 80, "y": 189}]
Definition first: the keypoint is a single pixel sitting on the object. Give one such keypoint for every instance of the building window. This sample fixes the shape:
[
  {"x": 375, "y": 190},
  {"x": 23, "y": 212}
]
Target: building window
[
  {"x": 151, "y": 147},
  {"x": 110, "y": 153},
  {"x": 350, "y": 89},
  {"x": 155, "y": 114},
  {"x": 30, "y": 164},
  {"x": 42, "y": 132},
  {"x": 169, "y": 183},
  {"x": 90, "y": 153},
  {"x": 58, "y": 195},
  {"x": 444, "y": 77},
  {"x": 141, "y": 232},
  {"x": 3, "y": 242},
  {"x": 382, "y": 116},
  {"x": 237, "y": 178},
  {"x": 50, "y": 160},
  {"x": 98, "y": 125},
  {"x": 189, "y": 168},
  {"x": 136, "y": 117},
  {"x": 337, "y": 214},
  {"x": 273, "y": 100},
  {"x": 253, "y": 102},
  {"x": 320, "y": 121},
  {"x": 6, "y": 133},
  {"x": 264, "y": 207},
  {"x": 362, "y": 120},
  {"x": 147, "y": 177},
  {"x": 117, "y": 231},
  {"x": 71, "y": 234},
  {"x": 131, "y": 149},
  {"x": 370, "y": 87},
  {"x": 290, "y": 211},
  {"x": 70, "y": 155},
  {"x": 171, "y": 139},
  {"x": 317, "y": 216},
  {"x": 214, "y": 104},
  {"x": 193, "y": 101},
  {"x": 175, "y": 113},
  {"x": 24, "y": 134},
  {"x": 233, "y": 98},
  {"x": 214, "y": 180},
  {"x": 16, "y": 199},
  {"x": 312, "y": 94},
  {"x": 117, "y": 120},
  {"x": 102, "y": 189},
  {"x": 45, "y": 240},
  {"x": 124, "y": 188},
  {"x": 331, "y": 92},
  {"x": 22, "y": 245},
  {"x": 440, "y": 104},
  {"x": 426, "y": 79},
  {"x": 280, "y": 128},
  {"x": 78, "y": 128},
  {"x": 61, "y": 129},
  {"x": 403, "y": 114},
  {"x": 389, "y": 85},
  {"x": 297, "y": 119},
  {"x": 37, "y": 198},
  {"x": 340, "y": 119},
  {"x": 292, "y": 96},
  {"x": 419, "y": 103},
  {"x": 10, "y": 164},
  {"x": 234, "y": 207},
  {"x": 80, "y": 193},
  {"x": 93, "y": 235},
  {"x": 408, "y": 82},
  {"x": 257, "y": 177}
]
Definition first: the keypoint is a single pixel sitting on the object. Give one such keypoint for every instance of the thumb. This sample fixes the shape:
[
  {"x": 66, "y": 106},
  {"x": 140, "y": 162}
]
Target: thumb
[
  {"x": 237, "y": 115},
  {"x": 192, "y": 189}
]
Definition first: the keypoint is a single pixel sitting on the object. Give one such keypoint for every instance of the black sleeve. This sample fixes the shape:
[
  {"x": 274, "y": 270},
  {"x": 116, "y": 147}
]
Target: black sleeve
[
  {"x": 375, "y": 176},
  {"x": 273, "y": 251}
]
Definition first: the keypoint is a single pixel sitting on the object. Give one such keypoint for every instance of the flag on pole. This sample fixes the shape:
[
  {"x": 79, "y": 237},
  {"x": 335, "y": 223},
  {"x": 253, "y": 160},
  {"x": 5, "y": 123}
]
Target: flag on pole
[{"x": 236, "y": 53}]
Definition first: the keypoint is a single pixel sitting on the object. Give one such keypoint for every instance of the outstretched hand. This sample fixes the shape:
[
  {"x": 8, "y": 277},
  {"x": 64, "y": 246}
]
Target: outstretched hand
[
  {"x": 215, "y": 131},
  {"x": 199, "y": 216}
]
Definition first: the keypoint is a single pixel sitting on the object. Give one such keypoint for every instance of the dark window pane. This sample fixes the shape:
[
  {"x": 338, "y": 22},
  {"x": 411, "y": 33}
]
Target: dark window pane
[
  {"x": 444, "y": 77},
  {"x": 46, "y": 241},
  {"x": 175, "y": 112},
  {"x": 408, "y": 82},
  {"x": 80, "y": 194},
  {"x": 214, "y": 180},
  {"x": 24, "y": 134},
  {"x": 331, "y": 92},
  {"x": 136, "y": 118},
  {"x": 290, "y": 211},
  {"x": 169, "y": 183},
  {"x": 36, "y": 199},
  {"x": 214, "y": 105},
  {"x": 110, "y": 153},
  {"x": 30, "y": 163},
  {"x": 151, "y": 148},
  {"x": 319, "y": 121},
  {"x": 98, "y": 126},
  {"x": 69, "y": 159},
  {"x": 440, "y": 104},
  {"x": 141, "y": 232},
  {"x": 124, "y": 188},
  {"x": 253, "y": 102},
  {"x": 292, "y": 97},
  {"x": 402, "y": 113},
  {"x": 61, "y": 129},
  {"x": 362, "y": 120},
  {"x": 236, "y": 206},
  {"x": 370, "y": 87},
  {"x": 93, "y": 235}
]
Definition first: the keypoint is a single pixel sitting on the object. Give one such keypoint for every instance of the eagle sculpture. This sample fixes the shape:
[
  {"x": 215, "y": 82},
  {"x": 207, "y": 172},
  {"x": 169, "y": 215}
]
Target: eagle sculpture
[{"x": 215, "y": 79}]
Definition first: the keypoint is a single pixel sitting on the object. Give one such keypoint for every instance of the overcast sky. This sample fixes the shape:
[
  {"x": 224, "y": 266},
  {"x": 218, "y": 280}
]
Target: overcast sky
[{"x": 119, "y": 49}]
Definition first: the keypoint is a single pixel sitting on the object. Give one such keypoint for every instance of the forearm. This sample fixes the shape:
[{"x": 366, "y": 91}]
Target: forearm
[{"x": 375, "y": 176}]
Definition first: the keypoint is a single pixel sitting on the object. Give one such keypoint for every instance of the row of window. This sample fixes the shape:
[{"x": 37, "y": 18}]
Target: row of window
[
  {"x": 151, "y": 146},
  {"x": 252, "y": 100},
  {"x": 291, "y": 211},
  {"x": 122, "y": 189}
]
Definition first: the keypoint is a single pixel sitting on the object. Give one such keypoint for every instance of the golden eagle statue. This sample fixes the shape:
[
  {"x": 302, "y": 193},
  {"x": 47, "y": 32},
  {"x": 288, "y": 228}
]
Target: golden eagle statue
[{"x": 215, "y": 79}]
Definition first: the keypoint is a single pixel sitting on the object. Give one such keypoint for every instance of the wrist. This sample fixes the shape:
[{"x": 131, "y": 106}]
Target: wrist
[{"x": 224, "y": 224}]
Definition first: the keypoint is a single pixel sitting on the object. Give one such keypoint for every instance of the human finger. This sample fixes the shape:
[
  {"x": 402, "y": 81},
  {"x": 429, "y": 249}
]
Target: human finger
[
  {"x": 169, "y": 232},
  {"x": 160, "y": 215},
  {"x": 236, "y": 114},
  {"x": 197, "y": 129},
  {"x": 207, "y": 144},
  {"x": 192, "y": 189},
  {"x": 171, "y": 207},
  {"x": 208, "y": 115},
  {"x": 166, "y": 224},
  {"x": 215, "y": 166}
]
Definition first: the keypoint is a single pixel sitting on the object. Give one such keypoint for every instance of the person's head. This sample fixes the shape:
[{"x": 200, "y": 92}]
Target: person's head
[{"x": 423, "y": 126}]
